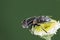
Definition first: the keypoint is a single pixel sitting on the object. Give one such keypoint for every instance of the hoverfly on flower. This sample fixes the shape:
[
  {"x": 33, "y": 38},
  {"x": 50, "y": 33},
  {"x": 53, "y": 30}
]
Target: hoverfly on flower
[
  {"x": 43, "y": 26},
  {"x": 35, "y": 21}
]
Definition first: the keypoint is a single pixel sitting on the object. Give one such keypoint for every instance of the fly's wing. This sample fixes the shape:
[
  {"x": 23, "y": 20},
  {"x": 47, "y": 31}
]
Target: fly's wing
[
  {"x": 24, "y": 24},
  {"x": 27, "y": 22}
]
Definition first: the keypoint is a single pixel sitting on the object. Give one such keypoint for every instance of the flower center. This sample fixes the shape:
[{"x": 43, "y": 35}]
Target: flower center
[{"x": 45, "y": 26}]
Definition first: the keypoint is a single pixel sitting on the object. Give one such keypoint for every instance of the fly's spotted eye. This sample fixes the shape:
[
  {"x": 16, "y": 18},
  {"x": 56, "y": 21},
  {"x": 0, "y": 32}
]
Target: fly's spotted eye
[{"x": 44, "y": 19}]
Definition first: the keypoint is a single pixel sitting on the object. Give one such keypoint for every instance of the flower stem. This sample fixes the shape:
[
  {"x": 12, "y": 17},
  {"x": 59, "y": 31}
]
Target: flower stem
[{"x": 48, "y": 38}]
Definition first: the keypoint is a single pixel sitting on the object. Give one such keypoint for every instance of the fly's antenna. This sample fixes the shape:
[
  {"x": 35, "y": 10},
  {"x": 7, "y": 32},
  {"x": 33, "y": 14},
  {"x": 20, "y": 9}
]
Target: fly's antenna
[{"x": 43, "y": 29}]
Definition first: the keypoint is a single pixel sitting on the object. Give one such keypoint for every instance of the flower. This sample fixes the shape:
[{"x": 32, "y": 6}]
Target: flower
[{"x": 46, "y": 28}]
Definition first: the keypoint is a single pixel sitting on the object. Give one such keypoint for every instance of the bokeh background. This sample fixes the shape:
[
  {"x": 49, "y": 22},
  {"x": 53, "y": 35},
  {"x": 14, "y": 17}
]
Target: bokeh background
[{"x": 12, "y": 12}]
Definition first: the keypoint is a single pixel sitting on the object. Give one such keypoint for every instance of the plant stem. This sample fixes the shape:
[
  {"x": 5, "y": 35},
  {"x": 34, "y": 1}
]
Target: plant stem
[{"x": 48, "y": 38}]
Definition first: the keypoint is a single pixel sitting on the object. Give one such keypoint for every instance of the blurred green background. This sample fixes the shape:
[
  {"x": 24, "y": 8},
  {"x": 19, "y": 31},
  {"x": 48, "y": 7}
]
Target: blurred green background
[{"x": 14, "y": 11}]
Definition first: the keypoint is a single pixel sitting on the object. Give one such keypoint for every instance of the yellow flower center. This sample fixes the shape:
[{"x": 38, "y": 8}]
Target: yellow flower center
[{"x": 45, "y": 26}]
